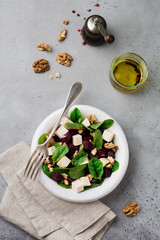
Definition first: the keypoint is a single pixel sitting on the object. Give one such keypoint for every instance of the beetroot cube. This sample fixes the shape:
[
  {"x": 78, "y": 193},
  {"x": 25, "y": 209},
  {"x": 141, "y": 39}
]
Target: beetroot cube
[
  {"x": 87, "y": 145},
  {"x": 57, "y": 177}
]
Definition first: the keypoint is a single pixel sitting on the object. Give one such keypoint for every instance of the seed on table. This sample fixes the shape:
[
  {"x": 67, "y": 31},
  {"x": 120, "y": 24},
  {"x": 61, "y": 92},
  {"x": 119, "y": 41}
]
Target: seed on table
[
  {"x": 78, "y": 14},
  {"x": 97, "y": 5},
  {"x": 73, "y": 11},
  {"x": 84, "y": 43}
]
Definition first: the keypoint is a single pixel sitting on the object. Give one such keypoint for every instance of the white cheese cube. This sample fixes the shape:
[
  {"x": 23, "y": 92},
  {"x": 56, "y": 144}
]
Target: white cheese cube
[
  {"x": 108, "y": 135},
  {"x": 86, "y": 122},
  {"x": 50, "y": 150},
  {"x": 85, "y": 162},
  {"x": 61, "y": 131},
  {"x": 77, "y": 139},
  {"x": 64, "y": 162},
  {"x": 85, "y": 181},
  {"x": 104, "y": 161},
  {"x": 64, "y": 121},
  {"x": 77, "y": 186}
]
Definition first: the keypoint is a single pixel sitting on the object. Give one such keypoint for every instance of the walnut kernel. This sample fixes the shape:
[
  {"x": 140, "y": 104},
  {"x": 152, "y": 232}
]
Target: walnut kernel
[
  {"x": 41, "y": 66},
  {"x": 131, "y": 209},
  {"x": 43, "y": 47},
  {"x": 65, "y": 22},
  {"x": 62, "y": 35},
  {"x": 64, "y": 59},
  {"x": 91, "y": 118}
]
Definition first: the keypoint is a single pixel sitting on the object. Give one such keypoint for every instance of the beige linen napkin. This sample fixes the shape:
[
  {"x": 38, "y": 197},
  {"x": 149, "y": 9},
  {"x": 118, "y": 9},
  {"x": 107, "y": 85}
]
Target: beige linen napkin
[{"x": 31, "y": 207}]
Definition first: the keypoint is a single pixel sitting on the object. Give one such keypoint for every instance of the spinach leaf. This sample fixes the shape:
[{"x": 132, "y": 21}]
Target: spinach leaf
[
  {"x": 115, "y": 166},
  {"x": 93, "y": 185},
  {"x": 46, "y": 171},
  {"x": 64, "y": 186},
  {"x": 61, "y": 170},
  {"x": 96, "y": 168},
  {"x": 77, "y": 172},
  {"x": 59, "y": 153},
  {"x": 74, "y": 126},
  {"x": 97, "y": 139},
  {"x": 103, "y": 125},
  {"x": 42, "y": 139},
  {"x": 81, "y": 147},
  {"x": 76, "y": 116},
  {"x": 56, "y": 144},
  {"x": 79, "y": 158}
]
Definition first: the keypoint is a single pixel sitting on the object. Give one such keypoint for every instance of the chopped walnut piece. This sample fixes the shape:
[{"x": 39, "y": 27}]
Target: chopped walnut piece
[
  {"x": 57, "y": 75},
  {"x": 64, "y": 175},
  {"x": 91, "y": 118},
  {"x": 109, "y": 165},
  {"x": 111, "y": 146},
  {"x": 51, "y": 76},
  {"x": 92, "y": 134},
  {"x": 66, "y": 182},
  {"x": 131, "y": 209},
  {"x": 65, "y": 22},
  {"x": 89, "y": 176},
  {"x": 46, "y": 161},
  {"x": 76, "y": 152},
  {"x": 94, "y": 151},
  {"x": 80, "y": 131},
  {"x": 43, "y": 47},
  {"x": 41, "y": 66},
  {"x": 64, "y": 59},
  {"x": 62, "y": 35},
  {"x": 111, "y": 160}
]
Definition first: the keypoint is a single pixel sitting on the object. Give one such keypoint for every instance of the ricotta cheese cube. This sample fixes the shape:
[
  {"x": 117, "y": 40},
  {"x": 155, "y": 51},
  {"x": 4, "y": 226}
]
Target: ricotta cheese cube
[
  {"x": 50, "y": 150},
  {"x": 64, "y": 121},
  {"x": 85, "y": 162},
  {"x": 108, "y": 135},
  {"x": 77, "y": 186},
  {"x": 77, "y": 139},
  {"x": 64, "y": 162},
  {"x": 61, "y": 131},
  {"x": 85, "y": 181},
  {"x": 86, "y": 122},
  {"x": 104, "y": 161}
]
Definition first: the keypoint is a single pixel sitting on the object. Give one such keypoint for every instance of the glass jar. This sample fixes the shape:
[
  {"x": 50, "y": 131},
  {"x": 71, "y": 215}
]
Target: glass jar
[{"x": 141, "y": 65}]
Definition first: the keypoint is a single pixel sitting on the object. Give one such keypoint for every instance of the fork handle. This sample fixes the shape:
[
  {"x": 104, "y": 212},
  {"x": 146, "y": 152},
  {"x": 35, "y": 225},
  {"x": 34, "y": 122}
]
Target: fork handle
[{"x": 72, "y": 95}]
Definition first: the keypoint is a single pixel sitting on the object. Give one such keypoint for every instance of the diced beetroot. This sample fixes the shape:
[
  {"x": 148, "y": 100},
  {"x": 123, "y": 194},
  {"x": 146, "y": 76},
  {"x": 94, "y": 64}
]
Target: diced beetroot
[
  {"x": 90, "y": 156},
  {"x": 57, "y": 139},
  {"x": 102, "y": 152},
  {"x": 87, "y": 145},
  {"x": 73, "y": 132},
  {"x": 67, "y": 138},
  {"x": 50, "y": 160},
  {"x": 70, "y": 180},
  {"x": 72, "y": 149},
  {"x": 107, "y": 172},
  {"x": 111, "y": 153},
  {"x": 94, "y": 180},
  {"x": 57, "y": 177},
  {"x": 85, "y": 133},
  {"x": 86, "y": 138}
]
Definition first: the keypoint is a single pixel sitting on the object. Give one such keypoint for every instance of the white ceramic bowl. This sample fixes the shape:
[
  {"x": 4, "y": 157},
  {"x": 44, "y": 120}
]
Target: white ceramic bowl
[{"x": 109, "y": 184}]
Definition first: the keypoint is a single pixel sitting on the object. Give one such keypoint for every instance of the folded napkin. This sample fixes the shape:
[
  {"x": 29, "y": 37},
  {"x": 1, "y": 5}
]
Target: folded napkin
[{"x": 30, "y": 206}]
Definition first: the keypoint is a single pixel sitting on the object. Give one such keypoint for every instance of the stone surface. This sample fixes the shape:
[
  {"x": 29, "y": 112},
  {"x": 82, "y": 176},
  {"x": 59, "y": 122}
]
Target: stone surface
[{"x": 27, "y": 98}]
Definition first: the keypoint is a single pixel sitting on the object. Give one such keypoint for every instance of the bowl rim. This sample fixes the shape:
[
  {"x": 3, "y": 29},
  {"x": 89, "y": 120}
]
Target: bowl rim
[{"x": 91, "y": 194}]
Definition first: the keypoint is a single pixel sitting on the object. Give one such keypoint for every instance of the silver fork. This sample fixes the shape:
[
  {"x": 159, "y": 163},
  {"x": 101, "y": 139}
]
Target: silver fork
[{"x": 39, "y": 154}]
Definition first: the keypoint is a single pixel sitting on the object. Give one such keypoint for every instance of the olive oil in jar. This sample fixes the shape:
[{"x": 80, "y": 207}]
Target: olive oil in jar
[{"x": 127, "y": 72}]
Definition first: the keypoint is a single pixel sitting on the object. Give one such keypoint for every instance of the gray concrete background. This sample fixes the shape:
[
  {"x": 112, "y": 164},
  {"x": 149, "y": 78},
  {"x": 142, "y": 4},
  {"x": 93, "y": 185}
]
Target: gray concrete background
[{"x": 27, "y": 98}]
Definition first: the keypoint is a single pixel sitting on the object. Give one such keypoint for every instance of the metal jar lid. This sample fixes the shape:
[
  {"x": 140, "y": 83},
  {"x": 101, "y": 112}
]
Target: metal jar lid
[{"x": 92, "y": 24}]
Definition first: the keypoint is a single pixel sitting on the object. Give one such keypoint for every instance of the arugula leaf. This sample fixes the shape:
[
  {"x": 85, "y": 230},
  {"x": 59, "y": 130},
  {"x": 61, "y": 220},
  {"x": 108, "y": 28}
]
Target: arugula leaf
[
  {"x": 103, "y": 125},
  {"x": 77, "y": 172},
  {"x": 59, "y": 153},
  {"x": 42, "y": 139},
  {"x": 64, "y": 186},
  {"x": 97, "y": 139},
  {"x": 96, "y": 168},
  {"x": 61, "y": 170},
  {"x": 56, "y": 144},
  {"x": 93, "y": 185},
  {"x": 115, "y": 166},
  {"x": 46, "y": 171},
  {"x": 76, "y": 116},
  {"x": 74, "y": 126},
  {"x": 79, "y": 158}
]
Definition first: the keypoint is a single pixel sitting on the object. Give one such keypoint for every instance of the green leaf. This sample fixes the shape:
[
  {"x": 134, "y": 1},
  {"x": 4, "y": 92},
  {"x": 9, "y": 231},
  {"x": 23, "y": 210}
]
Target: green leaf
[
  {"x": 97, "y": 139},
  {"x": 64, "y": 186},
  {"x": 96, "y": 168},
  {"x": 46, "y": 171},
  {"x": 81, "y": 147},
  {"x": 115, "y": 166},
  {"x": 59, "y": 153},
  {"x": 76, "y": 116},
  {"x": 61, "y": 170},
  {"x": 79, "y": 158},
  {"x": 93, "y": 185},
  {"x": 56, "y": 144},
  {"x": 77, "y": 172},
  {"x": 103, "y": 125},
  {"x": 74, "y": 126},
  {"x": 42, "y": 139}
]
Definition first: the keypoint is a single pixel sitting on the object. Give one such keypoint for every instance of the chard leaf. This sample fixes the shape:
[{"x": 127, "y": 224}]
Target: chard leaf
[
  {"x": 103, "y": 125},
  {"x": 42, "y": 139},
  {"x": 79, "y": 158},
  {"x": 77, "y": 172},
  {"x": 96, "y": 168},
  {"x": 76, "y": 116},
  {"x": 56, "y": 144},
  {"x": 115, "y": 166},
  {"x": 74, "y": 126},
  {"x": 81, "y": 147},
  {"x": 97, "y": 139},
  {"x": 93, "y": 185},
  {"x": 64, "y": 186},
  {"x": 59, "y": 153},
  {"x": 61, "y": 170},
  {"x": 46, "y": 171}
]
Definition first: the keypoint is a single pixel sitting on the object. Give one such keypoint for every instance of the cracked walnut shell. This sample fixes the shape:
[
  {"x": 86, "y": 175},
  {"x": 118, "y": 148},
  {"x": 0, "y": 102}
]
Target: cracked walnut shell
[
  {"x": 41, "y": 66},
  {"x": 62, "y": 35},
  {"x": 64, "y": 59},
  {"x": 131, "y": 209},
  {"x": 43, "y": 47}
]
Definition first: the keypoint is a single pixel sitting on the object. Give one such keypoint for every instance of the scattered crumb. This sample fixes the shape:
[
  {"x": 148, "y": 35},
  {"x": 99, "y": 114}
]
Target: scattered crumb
[
  {"x": 88, "y": 10},
  {"x": 84, "y": 18},
  {"x": 57, "y": 75},
  {"x": 65, "y": 22},
  {"x": 51, "y": 76}
]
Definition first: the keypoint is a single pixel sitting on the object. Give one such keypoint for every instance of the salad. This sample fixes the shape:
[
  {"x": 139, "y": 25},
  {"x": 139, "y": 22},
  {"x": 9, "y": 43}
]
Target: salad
[{"x": 81, "y": 153}]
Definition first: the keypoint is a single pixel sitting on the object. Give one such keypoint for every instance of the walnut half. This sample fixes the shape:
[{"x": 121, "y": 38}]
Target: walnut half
[
  {"x": 62, "y": 35},
  {"x": 131, "y": 209},
  {"x": 43, "y": 47},
  {"x": 41, "y": 66},
  {"x": 64, "y": 59}
]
